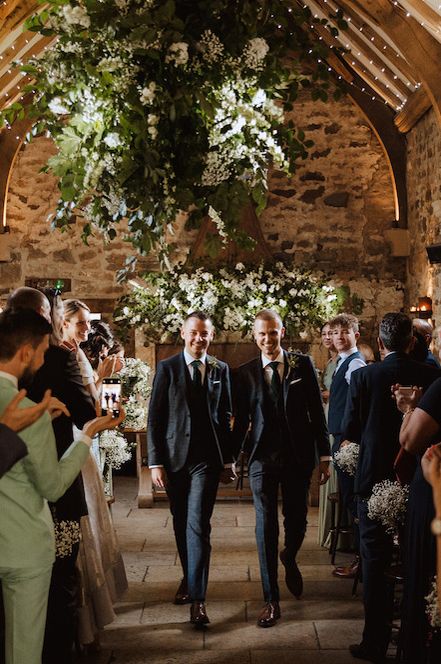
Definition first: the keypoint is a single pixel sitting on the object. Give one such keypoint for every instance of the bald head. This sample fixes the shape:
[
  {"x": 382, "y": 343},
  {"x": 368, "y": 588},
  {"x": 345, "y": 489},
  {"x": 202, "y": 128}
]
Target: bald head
[
  {"x": 424, "y": 328},
  {"x": 30, "y": 298}
]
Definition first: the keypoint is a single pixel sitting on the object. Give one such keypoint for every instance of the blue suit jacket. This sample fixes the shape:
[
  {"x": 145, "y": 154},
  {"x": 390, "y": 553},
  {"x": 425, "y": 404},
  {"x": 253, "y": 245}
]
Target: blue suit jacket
[
  {"x": 303, "y": 409},
  {"x": 169, "y": 418}
]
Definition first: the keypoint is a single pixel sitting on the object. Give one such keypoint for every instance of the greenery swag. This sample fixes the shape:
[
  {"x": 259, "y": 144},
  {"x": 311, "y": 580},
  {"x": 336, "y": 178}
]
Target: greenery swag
[
  {"x": 162, "y": 106},
  {"x": 231, "y": 296}
]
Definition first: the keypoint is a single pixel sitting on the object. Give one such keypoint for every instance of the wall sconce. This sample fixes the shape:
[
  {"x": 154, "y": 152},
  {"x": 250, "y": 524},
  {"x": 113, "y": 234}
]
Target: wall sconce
[{"x": 423, "y": 309}]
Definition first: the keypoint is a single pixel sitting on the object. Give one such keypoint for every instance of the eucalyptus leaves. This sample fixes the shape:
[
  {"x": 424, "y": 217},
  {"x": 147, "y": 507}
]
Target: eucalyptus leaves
[
  {"x": 230, "y": 295},
  {"x": 162, "y": 106}
]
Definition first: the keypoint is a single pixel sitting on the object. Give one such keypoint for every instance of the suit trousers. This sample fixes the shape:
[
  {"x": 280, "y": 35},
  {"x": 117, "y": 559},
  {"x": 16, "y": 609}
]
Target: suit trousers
[
  {"x": 62, "y": 611},
  {"x": 25, "y": 594},
  {"x": 192, "y": 494},
  {"x": 346, "y": 486},
  {"x": 265, "y": 478},
  {"x": 376, "y": 555}
]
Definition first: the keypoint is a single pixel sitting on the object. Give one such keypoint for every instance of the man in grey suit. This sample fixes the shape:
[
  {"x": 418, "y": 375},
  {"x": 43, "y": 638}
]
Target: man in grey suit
[{"x": 189, "y": 449}]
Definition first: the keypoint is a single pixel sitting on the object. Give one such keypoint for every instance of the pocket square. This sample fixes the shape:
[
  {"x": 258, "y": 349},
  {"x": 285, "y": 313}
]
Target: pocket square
[
  {"x": 297, "y": 380},
  {"x": 215, "y": 382}
]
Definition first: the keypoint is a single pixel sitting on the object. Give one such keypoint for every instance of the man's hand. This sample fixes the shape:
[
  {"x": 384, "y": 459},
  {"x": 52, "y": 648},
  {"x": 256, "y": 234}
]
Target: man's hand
[
  {"x": 323, "y": 472},
  {"x": 344, "y": 443},
  {"x": 19, "y": 418},
  {"x": 406, "y": 399},
  {"x": 227, "y": 476},
  {"x": 159, "y": 477},
  {"x": 57, "y": 408}
]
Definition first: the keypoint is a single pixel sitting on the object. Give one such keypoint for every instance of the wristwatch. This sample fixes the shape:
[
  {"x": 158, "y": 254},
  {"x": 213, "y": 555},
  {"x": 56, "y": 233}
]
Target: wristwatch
[{"x": 436, "y": 526}]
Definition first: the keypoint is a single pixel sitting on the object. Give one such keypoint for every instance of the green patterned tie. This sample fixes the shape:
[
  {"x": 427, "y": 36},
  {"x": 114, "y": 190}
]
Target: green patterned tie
[
  {"x": 275, "y": 381},
  {"x": 197, "y": 377}
]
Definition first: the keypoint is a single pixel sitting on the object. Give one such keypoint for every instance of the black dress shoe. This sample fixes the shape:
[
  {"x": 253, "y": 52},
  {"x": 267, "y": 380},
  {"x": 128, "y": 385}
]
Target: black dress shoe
[
  {"x": 198, "y": 615},
  {"x": 182, "y": 596},
  {"x": 293, "y": 577},
  {"x": 363, "y": 651},
  {"x": 270, "y": 615}
]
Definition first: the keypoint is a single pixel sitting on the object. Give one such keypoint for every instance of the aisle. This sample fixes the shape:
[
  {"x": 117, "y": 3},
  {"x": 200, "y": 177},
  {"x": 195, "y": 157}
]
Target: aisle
[{"x": 150, "y": 629}]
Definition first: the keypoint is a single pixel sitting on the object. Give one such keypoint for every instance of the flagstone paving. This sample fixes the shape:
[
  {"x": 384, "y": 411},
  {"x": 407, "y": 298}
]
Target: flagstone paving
[{"x": 149, "y": 629}]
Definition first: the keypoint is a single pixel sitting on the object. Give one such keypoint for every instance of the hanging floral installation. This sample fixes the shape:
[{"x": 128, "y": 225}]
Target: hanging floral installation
[
  {"x": 163, "y": 106},
  {"x": 230, "y": 295}
]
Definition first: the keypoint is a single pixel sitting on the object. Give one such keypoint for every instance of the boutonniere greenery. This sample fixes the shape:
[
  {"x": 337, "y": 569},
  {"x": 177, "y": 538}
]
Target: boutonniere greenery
[
  {"x": 213, "y": 362},
  {"x": 293, "y": 360}
]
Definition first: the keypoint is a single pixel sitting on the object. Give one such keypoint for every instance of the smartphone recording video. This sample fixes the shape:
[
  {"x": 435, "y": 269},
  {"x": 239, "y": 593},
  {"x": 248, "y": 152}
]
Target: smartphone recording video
[{"x": 111, "y": 396}]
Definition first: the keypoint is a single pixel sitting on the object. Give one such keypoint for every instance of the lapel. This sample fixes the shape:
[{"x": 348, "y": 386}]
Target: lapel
[
  {"x": 259, "y": 377},
  {"x": 212, "y": 375},
  {"x": 288, "y": 375},
  {"x": 183, "y": 379}
]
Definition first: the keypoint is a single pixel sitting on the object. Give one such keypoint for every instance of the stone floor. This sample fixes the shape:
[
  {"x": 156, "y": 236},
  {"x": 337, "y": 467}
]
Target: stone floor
[{"x": 150, "y": 629}]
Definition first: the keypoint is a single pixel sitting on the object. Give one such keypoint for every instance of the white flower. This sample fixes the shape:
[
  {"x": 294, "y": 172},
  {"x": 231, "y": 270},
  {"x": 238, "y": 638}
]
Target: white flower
[
  {"x": 178, "y": 53},
  {"x": 112, "y": 140},
  {"x": 347, "y": 458},
  {"x": 148, "y": 94},
  {"x": 152, "y": 119},
  {"x": 76, "y": 16},
  {"x": 387, "y": 504},
  {"x": 255, "y": 52},
  {"x": 432, "y": 607},
  {"x": 58, "y": 107}
]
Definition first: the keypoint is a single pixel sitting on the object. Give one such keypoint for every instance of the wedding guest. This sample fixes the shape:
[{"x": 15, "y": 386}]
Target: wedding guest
[
  {"x": 431, "y": 465},
  {"x": 26, "y": 528},
  {"x": 12, "y": 420},
  {"x": 426, "y": 330},
  {"x": 279, "y": 422},
  {"x": 421, "y": 426},
  {"x": 61, "y": 374},
  {"x": 366, "y": 352},
  {"x": 345, "y": 333},
  {"x": 372, "y": 420},
  {"x": 189, "y": 441},
  {"x": 324, "y": 522}
]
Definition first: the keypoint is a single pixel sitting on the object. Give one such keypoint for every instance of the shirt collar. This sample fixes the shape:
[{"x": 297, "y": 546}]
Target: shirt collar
[
  {"x": 348, "y": 353},
  {"x": 189, "y": 358},
  {"x": 10, "y": 377},
  {"x": 265, "y": 361}
]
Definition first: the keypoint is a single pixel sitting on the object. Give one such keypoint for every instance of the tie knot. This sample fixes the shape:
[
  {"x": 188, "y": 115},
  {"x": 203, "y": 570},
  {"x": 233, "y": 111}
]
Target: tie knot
[
  {"x": 274, "y": 365},
  {"x": 196, "y": 364}
]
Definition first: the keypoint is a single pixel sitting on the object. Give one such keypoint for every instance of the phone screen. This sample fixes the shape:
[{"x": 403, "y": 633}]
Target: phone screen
[{"x": 111, "y": 396}]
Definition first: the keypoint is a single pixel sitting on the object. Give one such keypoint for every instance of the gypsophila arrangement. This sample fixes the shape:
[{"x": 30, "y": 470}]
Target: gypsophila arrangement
[
  {"x": 388, "y": 504},
  {"x": 67, "y": 534},
  {"x": 346, "y": 458},
  {"x": 432, "y": 607},
  {"x": 163, "y": 106},
  {"x": 231, "y": 296},
  {"x": 136, "y": 414},
  {"x": 135, "y": 378},
  {"x": 115, "y": 447}
]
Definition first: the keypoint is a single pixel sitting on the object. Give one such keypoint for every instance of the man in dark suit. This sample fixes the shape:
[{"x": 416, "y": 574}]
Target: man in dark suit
[
  {"x": 280, "y": 423},
  {"x": 373, "y": 420},
  {"x": 189, "y": 445}
]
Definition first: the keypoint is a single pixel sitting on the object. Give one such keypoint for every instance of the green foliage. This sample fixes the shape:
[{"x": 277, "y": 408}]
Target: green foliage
[{"x": 162, "y": 106}]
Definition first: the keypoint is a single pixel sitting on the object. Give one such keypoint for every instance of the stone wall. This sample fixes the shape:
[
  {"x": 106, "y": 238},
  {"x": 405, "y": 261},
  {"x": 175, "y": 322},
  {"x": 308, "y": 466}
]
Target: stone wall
[
  {"x": 330, "y": 216},
  {"x": 424, "y": 202}
]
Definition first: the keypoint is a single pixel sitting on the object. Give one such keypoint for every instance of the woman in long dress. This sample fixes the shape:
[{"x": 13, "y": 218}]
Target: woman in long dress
[
  {"x": 100, "y": 562},
  {"x": 324, "y": 522}
]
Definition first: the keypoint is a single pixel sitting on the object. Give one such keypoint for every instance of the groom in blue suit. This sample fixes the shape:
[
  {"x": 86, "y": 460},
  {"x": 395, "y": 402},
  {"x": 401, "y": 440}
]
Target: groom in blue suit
[
  {"x": 279, "y": 422},
  {"x": 189, "y": 450}
]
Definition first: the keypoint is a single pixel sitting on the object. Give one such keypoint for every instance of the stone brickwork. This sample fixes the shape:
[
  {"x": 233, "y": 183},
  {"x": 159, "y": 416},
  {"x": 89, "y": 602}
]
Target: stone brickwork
[
  {"x": 424, "y": 201},
  {"x": 330, "y": 216}
]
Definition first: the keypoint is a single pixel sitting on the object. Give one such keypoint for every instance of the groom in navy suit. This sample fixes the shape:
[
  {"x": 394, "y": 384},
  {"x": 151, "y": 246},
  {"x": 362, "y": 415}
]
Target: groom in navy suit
[
  {"x": 280, "y": 423},
  {"x": 189, "y": 450}
]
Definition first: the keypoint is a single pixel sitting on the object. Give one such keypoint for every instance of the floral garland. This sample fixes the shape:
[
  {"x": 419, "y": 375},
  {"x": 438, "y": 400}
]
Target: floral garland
[
  {"x": 346, "y": 458},
  {"x": 388, "y": 504},
  {"x": 432, "y": 607},
  {"x": 231, "y": 296},
  {"x": 163, "y": 106},
  {"x": 135, "y": 378}
]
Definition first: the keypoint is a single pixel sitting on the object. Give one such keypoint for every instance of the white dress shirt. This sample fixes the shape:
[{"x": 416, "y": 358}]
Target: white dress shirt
[
  {"x": 354, "y": 364},
  {"x": 202, "y": 367}
]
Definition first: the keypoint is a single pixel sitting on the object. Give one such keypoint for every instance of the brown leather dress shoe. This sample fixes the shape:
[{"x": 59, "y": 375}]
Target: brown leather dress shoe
[
  {"x": 270, "y": 615},
  {"x": 293, "y": 577},
  {"x": 198, "y": 615},
  {"x": 182, "y": 596},
  {"x": 348, "y": 571}
]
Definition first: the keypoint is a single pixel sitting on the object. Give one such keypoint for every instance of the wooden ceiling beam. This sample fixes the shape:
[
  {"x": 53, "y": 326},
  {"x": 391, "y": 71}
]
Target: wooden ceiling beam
[
  {"x": 33, "y": 51},
  {"x": 23, "y": 10},
  {"x": 423, "y": 51},
  {"x": 417, "y": 105}
]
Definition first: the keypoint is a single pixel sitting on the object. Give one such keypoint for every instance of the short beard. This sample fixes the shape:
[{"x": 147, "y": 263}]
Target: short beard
[{"x": 26, "y": 379}]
